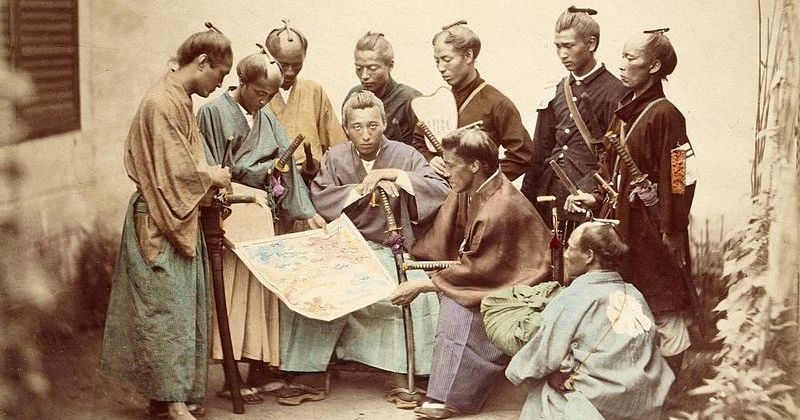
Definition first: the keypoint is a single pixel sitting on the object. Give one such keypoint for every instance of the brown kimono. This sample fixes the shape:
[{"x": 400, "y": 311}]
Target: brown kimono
[{"x": 503, "y": 242}]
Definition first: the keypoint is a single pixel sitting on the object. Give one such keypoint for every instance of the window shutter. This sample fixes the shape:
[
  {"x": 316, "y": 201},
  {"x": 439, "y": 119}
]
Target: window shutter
[{"x": 43, "y": 42}]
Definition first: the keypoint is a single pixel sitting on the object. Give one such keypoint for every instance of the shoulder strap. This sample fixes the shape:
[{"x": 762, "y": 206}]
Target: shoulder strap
[
  {"x": 576, "y": 116},
  {"x": 471, "y": 95},
  {"x": 623, "y": 131}
]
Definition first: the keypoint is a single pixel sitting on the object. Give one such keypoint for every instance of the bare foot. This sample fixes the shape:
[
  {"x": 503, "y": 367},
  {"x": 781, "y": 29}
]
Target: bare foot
[{"x": 179, "y": 411}]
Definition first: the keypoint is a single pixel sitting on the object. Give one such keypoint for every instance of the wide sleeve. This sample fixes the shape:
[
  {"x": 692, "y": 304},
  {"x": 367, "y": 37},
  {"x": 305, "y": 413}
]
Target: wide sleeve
[
  {"x": 501, "y": 251},
  {"x": 255, "y": 154},
  {"x": 430, "y": 189},
  {"x": 409, "y": 122},
  {"x": 551, "y": 344},
  {"x": 329, "y": 195},
  {"x": 444, "y": 235},
  {"x": 514, "y": 138},
  {"x": 670, "y": 129},
  {"x": 175, "y": 177},
  {"x": 328, "y": 126},
  {"x": 296, "y": 202},
  {"x": 213, "y": 139}
]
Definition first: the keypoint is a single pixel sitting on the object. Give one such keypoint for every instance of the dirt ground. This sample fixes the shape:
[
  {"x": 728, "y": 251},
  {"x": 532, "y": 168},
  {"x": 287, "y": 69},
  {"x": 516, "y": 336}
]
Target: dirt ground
[{"x": 79, "y": 391}]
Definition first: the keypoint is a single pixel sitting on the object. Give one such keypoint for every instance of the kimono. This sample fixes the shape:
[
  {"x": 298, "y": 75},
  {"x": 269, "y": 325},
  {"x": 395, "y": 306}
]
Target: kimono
[
  {"x": 252, "y": 309},
  {"x": 308, "y": 111},
  {"x": 373, "y": 335},
  {"x": 155, "y": 333},
  {"x": 503, "y": 242},
  {"x": 596, "y": 97},
  {"x": 480, "y": 101},
  {"x": 649, "y": 264},
  {"x": 602, "y": 328},
  {"x": 400, "y": 118}
]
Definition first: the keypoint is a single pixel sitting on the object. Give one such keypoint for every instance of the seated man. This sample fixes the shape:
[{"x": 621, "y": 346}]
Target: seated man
[
  {"x": 595, "y": 355},
  {"x": 500, "y": 241},
  {"x": 349, "y": 173},
  {"x": 243, "y": 134}
]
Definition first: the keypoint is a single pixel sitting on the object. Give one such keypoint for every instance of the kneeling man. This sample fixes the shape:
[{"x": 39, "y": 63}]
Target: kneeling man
[
  {"x": 500, "y": 241},
  {"x": 348, "y": 175},
  {"x": 596, "y": 354}
]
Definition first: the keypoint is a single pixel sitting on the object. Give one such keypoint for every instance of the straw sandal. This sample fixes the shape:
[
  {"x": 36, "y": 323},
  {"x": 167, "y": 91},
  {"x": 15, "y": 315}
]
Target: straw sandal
[
  {"x": 403, "y": 399},
  {"x": 249, "y": 395}
]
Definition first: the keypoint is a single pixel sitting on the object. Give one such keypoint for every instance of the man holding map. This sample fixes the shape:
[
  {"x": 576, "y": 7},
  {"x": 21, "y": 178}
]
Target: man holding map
[{"x": 348, "y": 176}]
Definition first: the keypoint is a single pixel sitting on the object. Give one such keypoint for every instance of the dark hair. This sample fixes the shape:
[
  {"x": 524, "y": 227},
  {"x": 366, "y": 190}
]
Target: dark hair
[
  {"x": 473, "y": 144},
  {"x": 362, "y": 100},
  {"x": 658, "y": 47},
  {"x": 285, "y": 34},
  {"x": 605, "y": 242},
  {"x": 255, "y": 66},
  {"x": 375, "y": 41},
  {"x": 461, "y": 38},
  {"x": 212, "y": 43},
  {"x": 581, "y": 21}
]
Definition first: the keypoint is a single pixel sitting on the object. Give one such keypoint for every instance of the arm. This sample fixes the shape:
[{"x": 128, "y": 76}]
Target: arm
[
  {"x": 513, "y": 136},
  {"x": 544, "y": 140},
  {"x": 544, "y": 353}
]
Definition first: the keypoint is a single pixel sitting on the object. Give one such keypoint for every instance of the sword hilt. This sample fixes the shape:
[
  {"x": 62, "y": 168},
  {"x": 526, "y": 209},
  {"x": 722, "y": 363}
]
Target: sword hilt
[
  {"x": 638, "y": 178},
  {"x": 282, "y": 164},
  {"x": 431, "y": 137},
  {"x": 383, "y": 197},
  {"x": 428, "y": 265}
]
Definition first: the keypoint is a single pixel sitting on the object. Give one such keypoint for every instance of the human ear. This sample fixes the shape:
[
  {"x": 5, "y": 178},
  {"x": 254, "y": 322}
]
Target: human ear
[
  {"x": 469, "y": 55},
  {"x": 202, "y": 60},
  {"x": 474, "y": 166},
  {"x": 592, "y": 42},
  {"x": 655, "y": 66}
]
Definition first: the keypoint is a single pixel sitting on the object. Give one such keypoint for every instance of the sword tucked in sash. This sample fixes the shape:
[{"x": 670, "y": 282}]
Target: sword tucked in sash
[{"x": 647, "y": 193}]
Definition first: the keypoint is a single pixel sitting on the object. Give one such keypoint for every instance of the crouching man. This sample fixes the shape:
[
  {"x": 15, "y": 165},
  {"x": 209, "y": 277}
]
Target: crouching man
[{"x": 596, "y": 354}]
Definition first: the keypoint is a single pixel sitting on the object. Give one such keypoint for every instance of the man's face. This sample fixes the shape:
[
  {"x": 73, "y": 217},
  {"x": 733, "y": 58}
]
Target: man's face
[
  {"x": 256, "y": 94},
  {"x": 371, "y": 71},
  {"x": 634, "y": 69},
  {"x": 452, "y": 65},
  {"x": 365, "y": 129},
  {"x": 575, "y": 258},
  {"x": 291, "y": 60},
  {"x": 462, "y": 172},
  {"x": 211, "y": 77},
  {"x": 574, "y": 51}
]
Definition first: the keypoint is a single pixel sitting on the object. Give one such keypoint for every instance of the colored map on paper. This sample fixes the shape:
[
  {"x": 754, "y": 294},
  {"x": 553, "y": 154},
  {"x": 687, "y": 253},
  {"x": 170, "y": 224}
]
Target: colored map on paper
[{"x": 322, "y": 275}]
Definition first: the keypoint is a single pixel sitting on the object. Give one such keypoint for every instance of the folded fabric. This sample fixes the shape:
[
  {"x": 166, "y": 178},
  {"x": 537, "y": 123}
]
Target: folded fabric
[{"x": 513, "y": 315}]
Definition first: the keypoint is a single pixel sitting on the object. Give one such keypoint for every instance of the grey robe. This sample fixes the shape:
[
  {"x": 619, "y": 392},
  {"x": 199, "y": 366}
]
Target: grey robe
[
  {"x": 624, "y": 377},
  {"x": 373, "y": 335},
  {"x": 252, "y": 151},
  {"x": 342, "y": 171}
]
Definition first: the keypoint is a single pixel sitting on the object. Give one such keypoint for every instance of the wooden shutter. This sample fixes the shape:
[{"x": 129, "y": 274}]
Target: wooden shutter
[{"x": 43, "y": 42}]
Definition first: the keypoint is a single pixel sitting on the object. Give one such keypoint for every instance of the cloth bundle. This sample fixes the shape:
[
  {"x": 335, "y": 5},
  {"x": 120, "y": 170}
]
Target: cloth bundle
[{"x": 513, "y": 315}]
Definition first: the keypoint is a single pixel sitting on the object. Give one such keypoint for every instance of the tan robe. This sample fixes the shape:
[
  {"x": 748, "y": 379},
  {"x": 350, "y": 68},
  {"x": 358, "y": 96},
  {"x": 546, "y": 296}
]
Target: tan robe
[
  {"x": 164, "y": 156},
  {"x": 309, "y": 112}
]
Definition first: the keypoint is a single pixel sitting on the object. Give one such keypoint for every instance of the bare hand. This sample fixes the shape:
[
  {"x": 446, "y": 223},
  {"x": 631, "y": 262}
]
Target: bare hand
[
  {"x": 371, "y": 180},
  {"x": 390, "y": 188},
  {"x": 437, "y": 163},
  {"x": 220, "y": 177},
  {"x": 316, "y": 222},
  {"x": 408, "y": 291},
  {"x": 579, "y": 203}
]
